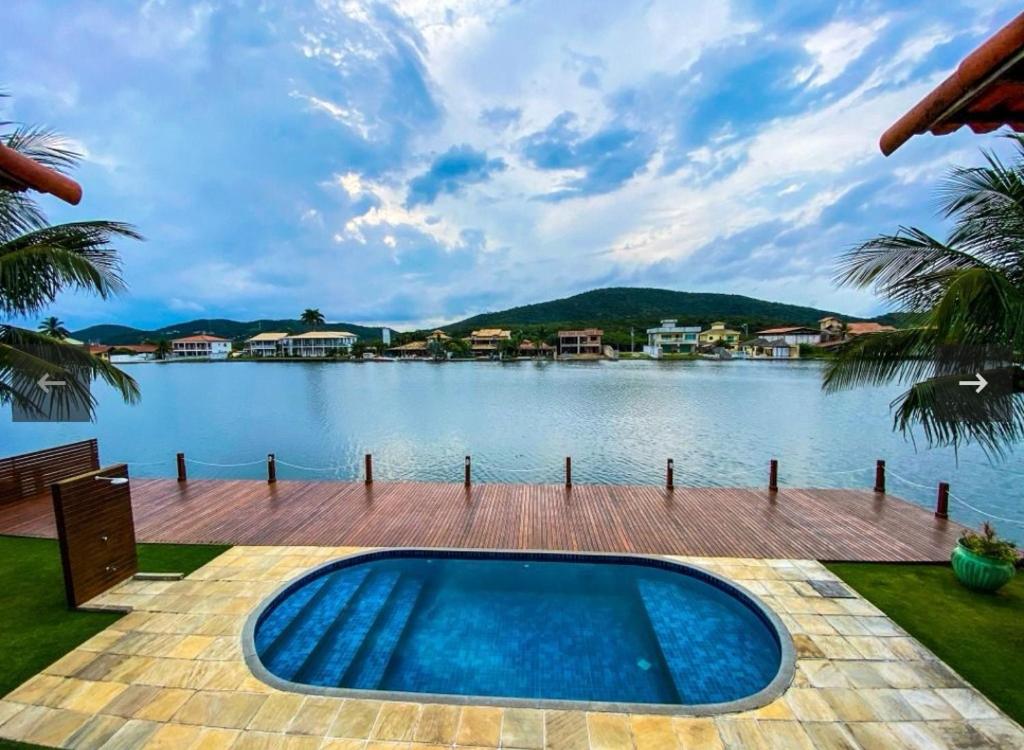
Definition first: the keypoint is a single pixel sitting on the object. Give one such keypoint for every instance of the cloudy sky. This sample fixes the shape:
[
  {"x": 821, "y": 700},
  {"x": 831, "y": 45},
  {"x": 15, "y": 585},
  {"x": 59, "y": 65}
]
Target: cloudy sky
[{"x": 418, "y": 161}]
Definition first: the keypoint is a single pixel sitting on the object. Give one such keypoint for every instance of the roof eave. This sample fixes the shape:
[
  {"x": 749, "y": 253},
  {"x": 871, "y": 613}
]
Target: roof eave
[{"x": 25, "y": 173}]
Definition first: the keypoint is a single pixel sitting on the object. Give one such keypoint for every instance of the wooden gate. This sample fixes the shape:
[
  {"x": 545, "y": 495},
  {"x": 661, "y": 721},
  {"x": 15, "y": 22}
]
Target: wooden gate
[{"x": 96, "y": 531}]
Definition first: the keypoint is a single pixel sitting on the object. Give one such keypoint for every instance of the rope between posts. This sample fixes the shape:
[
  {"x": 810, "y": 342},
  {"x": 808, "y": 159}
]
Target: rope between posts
[
  {"x": 223, "y": 466},
  {"x": 307, "y": 468},
  {"x": 894, "y": 475},
  {"x": 981, "y": 512}
]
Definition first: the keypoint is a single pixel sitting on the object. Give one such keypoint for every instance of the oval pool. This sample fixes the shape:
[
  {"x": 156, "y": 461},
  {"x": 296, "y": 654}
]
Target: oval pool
[{"x": 506, "y": 628}]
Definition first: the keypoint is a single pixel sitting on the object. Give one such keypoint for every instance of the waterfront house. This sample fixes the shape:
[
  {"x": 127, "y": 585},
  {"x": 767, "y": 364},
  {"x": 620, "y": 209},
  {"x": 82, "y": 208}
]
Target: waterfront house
[
  {"x": 101, "y": 351},
  {"x": 412, "y": 350},
  {"x": 200, "y": 346},
  {"x": 793, "y": 335},
  {"x": 834, "y": 331},
  {"x": 586, "y": 342},
  {"x": 719, "y": 335},
  {"x": 264, "y": 344},
  {"x": 485, "y": 341},
  {"x": 762, "y": 348},
  {"x": 671, "y": 338},
  {"x": 318, "y": 344},
  {"x": 528, "y": 348},
  {"x": 123, "y": 354}
]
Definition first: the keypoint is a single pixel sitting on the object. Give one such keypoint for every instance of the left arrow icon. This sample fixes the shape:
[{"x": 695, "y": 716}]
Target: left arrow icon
[{"x": 45, "y": 383}]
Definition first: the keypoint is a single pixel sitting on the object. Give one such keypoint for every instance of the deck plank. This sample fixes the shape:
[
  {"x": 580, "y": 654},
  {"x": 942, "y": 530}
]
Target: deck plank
[{"x": 826, "y": 524}]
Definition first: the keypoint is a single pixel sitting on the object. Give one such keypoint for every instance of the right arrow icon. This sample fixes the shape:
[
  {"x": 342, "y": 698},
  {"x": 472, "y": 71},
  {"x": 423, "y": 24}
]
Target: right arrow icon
[{"x": 980, "y": 382}]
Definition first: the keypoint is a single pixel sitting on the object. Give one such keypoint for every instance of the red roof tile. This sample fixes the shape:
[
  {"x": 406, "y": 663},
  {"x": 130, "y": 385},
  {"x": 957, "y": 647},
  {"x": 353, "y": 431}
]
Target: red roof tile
[{"x": 985, "y": 92}]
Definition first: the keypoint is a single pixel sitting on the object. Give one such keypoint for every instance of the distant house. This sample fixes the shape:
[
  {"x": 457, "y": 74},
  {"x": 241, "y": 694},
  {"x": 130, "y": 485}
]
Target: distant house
[
  {"x": 528, "y": 348},
  {"x": 671, "y": 338},
  {"x": 586, "y": 341},
  {"x": 318, "y": 343},
  {"x": 833, "y": 331},
  {"x": 485, "y": 342},
  {"x": 438, "y": 335},
  {"x": 123, "y": 354},
  {"x": 200, "y": 346},
  {"x": 412, "y": 350},
  {"x": 794, "y": 335},
  {"x": 762, "y": 348},
  {"x": 101, "y": 351},
  {"x": 264, "y": 344},
  {"x": 719, "y": 335}
]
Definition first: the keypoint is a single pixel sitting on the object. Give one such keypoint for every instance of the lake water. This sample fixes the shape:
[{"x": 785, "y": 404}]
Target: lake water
[{"x": 720, "y": 421}]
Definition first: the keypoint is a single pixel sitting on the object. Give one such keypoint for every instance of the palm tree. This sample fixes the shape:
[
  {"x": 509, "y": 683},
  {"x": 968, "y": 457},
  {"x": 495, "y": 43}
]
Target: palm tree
[
  {"x": 163, "y": 349},
  {"x": 39, "y": 260},
  {"x": 965, "y": 300},
  {"x": 54, "y": 328},
  {"x": 312, "y": 317}
]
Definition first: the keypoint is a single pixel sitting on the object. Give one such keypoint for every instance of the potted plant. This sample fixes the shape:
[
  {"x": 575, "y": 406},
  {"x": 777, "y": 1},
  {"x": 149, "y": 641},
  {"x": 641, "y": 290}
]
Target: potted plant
[{"x": 984, "y": 562}]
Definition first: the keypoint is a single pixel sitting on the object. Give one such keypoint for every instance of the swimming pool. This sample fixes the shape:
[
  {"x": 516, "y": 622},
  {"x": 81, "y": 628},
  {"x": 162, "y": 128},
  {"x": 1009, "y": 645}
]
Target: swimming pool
[{"x": 508, "y": 628}]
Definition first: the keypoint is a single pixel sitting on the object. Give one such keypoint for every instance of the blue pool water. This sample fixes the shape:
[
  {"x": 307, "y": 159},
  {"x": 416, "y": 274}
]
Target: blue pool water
[{"x": 508, "y": 626}]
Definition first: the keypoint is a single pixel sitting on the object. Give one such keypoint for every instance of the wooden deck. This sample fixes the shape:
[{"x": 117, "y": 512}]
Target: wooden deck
[{"x": 825, "y": 524}]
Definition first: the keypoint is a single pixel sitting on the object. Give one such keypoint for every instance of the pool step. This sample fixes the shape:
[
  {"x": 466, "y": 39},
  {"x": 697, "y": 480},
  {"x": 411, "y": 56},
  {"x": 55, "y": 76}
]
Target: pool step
[
  {"x": 341, "y": 640},
  {"x": 671, "y": 614},
  {"x": 372, "y": 661},
  {"x": 300, "y": 634}
]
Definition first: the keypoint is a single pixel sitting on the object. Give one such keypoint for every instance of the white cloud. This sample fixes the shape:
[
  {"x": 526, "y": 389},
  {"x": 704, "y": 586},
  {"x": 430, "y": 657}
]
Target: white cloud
[{"x": 834, "y": 47}]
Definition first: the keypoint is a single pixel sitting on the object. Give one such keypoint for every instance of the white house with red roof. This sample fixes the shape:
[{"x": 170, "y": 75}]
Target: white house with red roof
[{"x": 200, "y": 346}]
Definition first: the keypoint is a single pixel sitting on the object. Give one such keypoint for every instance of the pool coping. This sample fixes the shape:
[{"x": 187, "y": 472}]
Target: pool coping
[{"x": 774, "y": 689}]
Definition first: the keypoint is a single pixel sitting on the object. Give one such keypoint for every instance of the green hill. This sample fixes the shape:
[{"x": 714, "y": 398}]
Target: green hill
[{"x": 229, "y": 329}]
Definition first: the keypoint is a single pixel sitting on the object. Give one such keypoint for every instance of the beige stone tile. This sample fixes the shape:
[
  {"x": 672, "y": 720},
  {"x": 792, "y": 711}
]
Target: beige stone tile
[
  {"x": 806, "y": 648},
  {"x": 95, "y": 732},
  {"x": 968, "y": 703},
  {"x": 355, "y": 720},
  {"x": 277, "y": 712},
  {"x": 875, "y": 736},
  {"x": 437, "y": 724},
  {"x": 871, "y": 647},
  {"x": 315, "y": 716},
  {"x": 863, "y": 674},
  {"x": 822, "y": 673},
  {"x": 809, "y": 705},
  {"x": 22, "y": 722},
  {"x": 929, "y": 704},
  {"x": 479, "y": 726},
  {"x": 93, "y": 696},
  {"x": 830, "y": 736},
  {"x": 609, "y": 731},
  {"x": 741, "y": 734},
  {"x": 164, "y": 704},
  {"x": 960, "y": 734},
  {"x": 250, "y": 740},
  {"x": 396, "y": 722},
  {"x": 132, "y": 735},
  {"x": 777, "y": 710},
  {"x": 652, "y": 732},
  {"x": 173, "y": 737},
  {"x": 56, "y": 727},
  {"x": 220, "y": 709},
  {"x": 215, "y": 738},
  {"x": 565, "y": 730},
  {"x": 35, "y": 689},
  {"x": 698, "y": 732},
  {"x": 341, "y": 743},
  {"x": 522, "y": 728},
  {"x": 191, "y": 646},
  {"x": 8, "y": 709},
  {"x": 70, "y": 663},
  {"x": 836, "y": 647},
  {"x": 1003, "y": 731},
  {"x": 918, "y": 735},
  {"x": 131, "y": 700},
  {"x": 785, "y": 734},
  {"x": 888, "y": 705},
  {"x": 387, "y": 745},
  {"x": 848, "y": 705}
]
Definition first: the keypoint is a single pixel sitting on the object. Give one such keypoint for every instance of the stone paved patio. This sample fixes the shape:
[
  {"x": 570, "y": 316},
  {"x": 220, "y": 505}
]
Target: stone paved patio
[{"x": 171, "y": 675}]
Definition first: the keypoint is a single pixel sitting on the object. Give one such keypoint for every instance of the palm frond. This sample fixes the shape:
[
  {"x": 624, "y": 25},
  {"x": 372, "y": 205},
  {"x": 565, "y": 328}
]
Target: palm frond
[
  {"x": 980, "y": 307},
  {"x": 25, "y": 356},
  {"x": 45, "y": 146},
  {"x": 902, "y": 356},
  {"x": 908, "y": 268},
  {"x": 19, "y": 214},
  {"x": 950, "y": 415},
  {"x": 36, "y": 266}
]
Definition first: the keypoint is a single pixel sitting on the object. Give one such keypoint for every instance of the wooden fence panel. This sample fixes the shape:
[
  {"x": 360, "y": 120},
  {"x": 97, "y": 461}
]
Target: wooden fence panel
[
  {"x": 31, "y": 474},
  {"x": 96, "y": 531}
]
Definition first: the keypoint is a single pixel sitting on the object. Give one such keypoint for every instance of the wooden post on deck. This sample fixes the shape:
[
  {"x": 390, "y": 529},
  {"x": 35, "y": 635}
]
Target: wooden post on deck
[
  {"x": 670, "y": 475},
  {"x": 880, "y": 476},
  {"x": 182, "y": 474},
  {"x": 369, "y": 468},
  {"x": 942, "y": 501},
  {"x": 469, "y": 466},
  {"x": 773, "y": 476},
  {"x": 568, "y": 472},
  {"x": 271, "y": 469}
]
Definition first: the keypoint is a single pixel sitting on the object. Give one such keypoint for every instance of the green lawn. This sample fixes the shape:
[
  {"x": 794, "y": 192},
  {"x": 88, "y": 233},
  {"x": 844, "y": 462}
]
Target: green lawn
[
  {"x": 981, "y": 636},
  {"x": 36, "y": 628}
]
